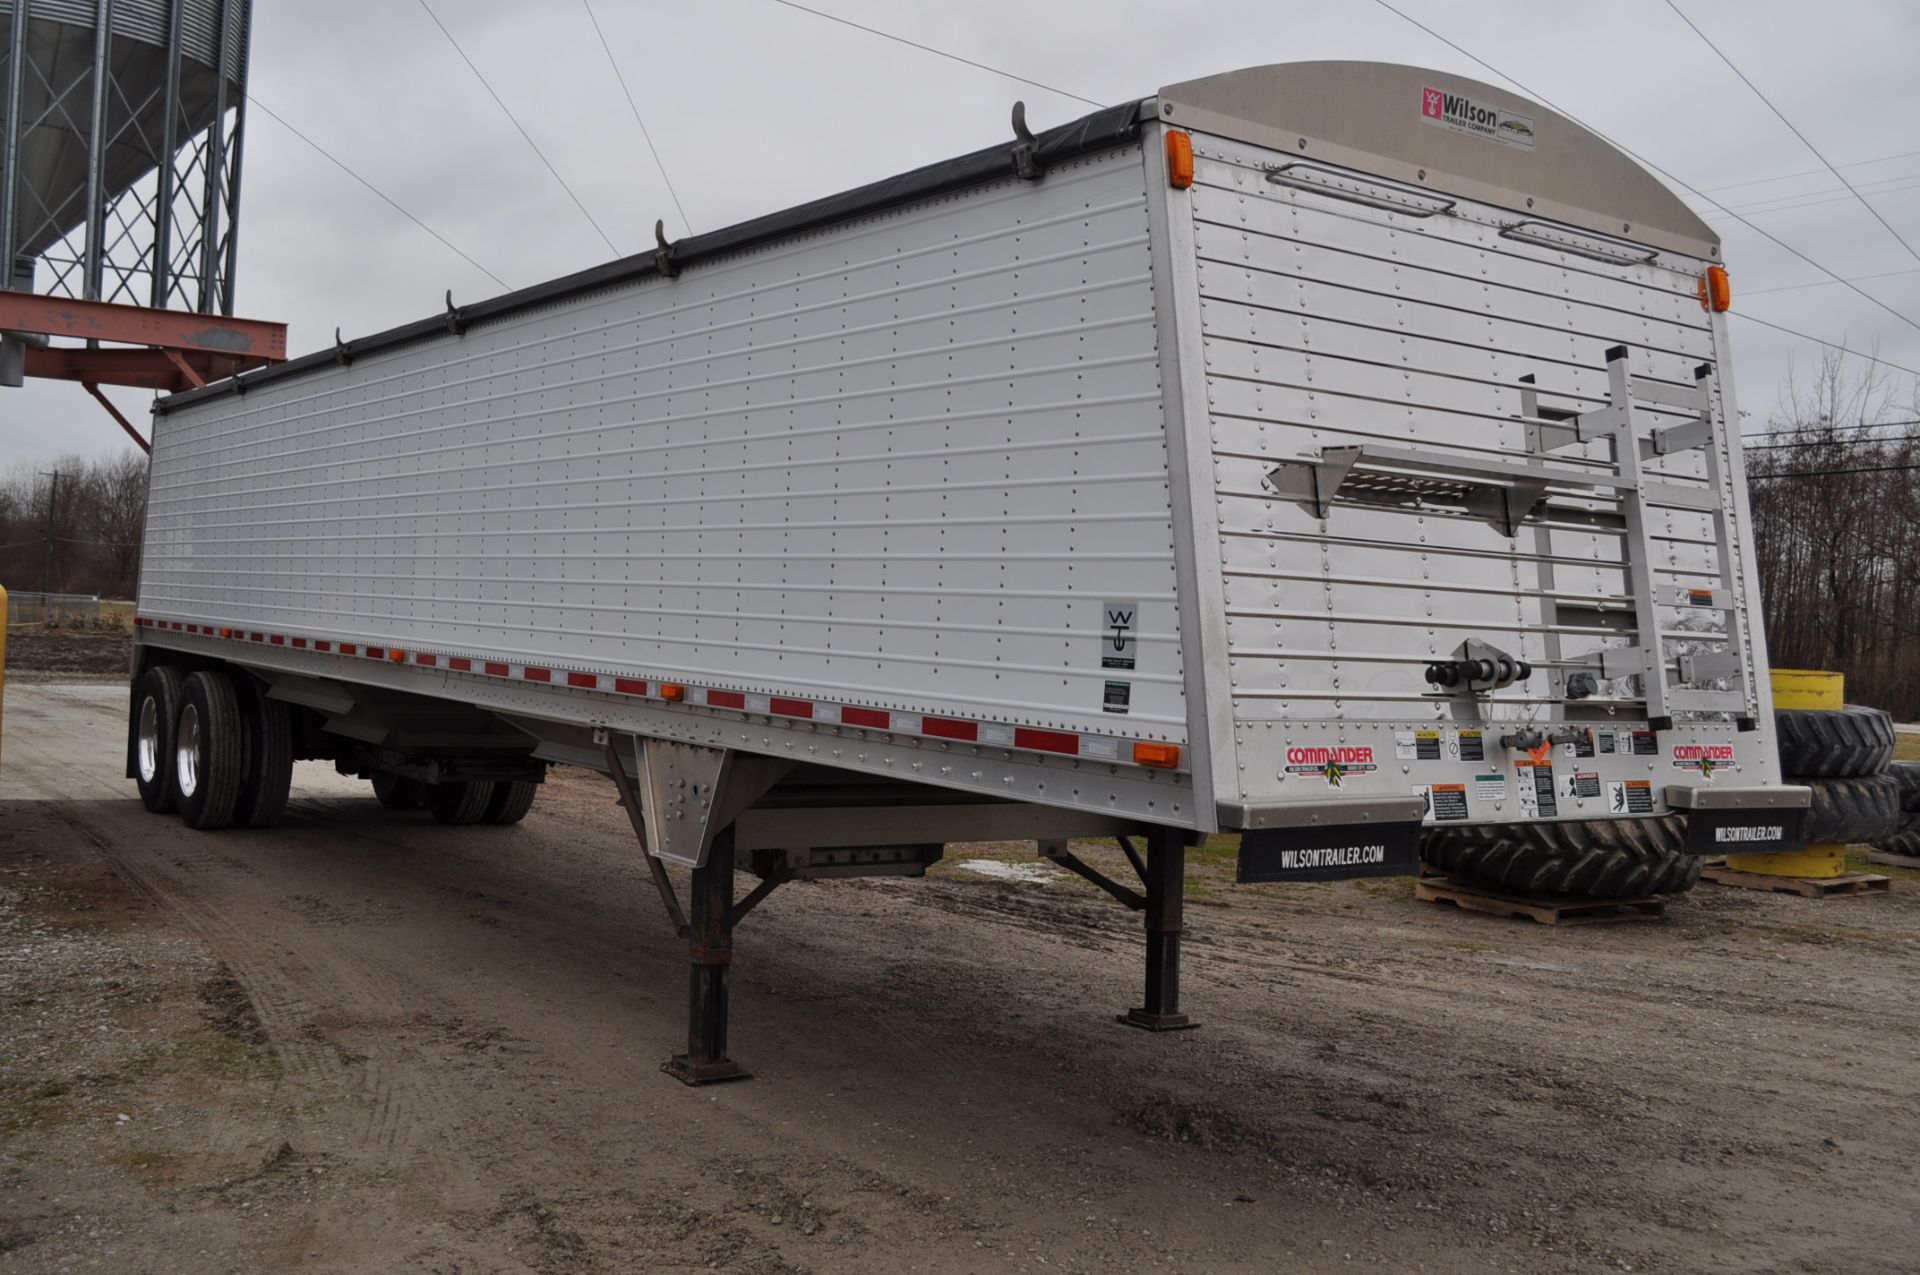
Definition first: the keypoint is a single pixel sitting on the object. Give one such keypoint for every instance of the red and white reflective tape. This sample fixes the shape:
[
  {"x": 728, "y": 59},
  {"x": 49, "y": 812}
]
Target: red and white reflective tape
[{"x": 963, "y": 730}]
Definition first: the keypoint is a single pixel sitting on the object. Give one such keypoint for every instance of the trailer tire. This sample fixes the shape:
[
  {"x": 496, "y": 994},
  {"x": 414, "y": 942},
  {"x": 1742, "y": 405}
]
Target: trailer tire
[
  {"x": 156, "y": 718},
  {"x": 1593, "y": 859},
  {"x": 1843, "y": 743},
  {"x": 266, "y": 776},
  {"x": 511, "y": 800},
  {"x": 209, "y": 750},
  {"x": 1857, "y": 811},
  {"x": 461, "y": 802},
  {"x": 397, "y": 792}
]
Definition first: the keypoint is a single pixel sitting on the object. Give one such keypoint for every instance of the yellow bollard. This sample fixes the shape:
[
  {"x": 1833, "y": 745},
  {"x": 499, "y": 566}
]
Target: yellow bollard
[{"x": 1801, "y": 688}]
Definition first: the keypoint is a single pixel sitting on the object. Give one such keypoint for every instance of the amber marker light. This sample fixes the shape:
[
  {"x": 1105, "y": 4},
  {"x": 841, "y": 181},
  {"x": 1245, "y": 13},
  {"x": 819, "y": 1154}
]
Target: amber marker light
[
  {"x": 1179, "y": 159},
  {"x": 672, "y": 691},
  {"x": 1160, "y": 756},
  {"x": 1716, "y": 290}
]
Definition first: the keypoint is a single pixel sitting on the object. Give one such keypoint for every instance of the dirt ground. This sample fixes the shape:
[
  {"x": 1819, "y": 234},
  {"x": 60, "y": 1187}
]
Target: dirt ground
[
  {"x": 51, "y": 654},
  {"x": 365, "y": 1042}
]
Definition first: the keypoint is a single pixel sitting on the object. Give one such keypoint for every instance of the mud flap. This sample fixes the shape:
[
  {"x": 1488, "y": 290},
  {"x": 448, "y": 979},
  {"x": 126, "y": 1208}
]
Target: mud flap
[
  {"x": 1335, "y": 852},
  {"x": 1745, "y": 831}
]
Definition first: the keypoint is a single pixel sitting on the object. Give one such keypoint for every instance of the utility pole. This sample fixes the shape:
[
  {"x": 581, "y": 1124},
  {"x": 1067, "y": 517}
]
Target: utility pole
[{"x": 53, "y": 498}]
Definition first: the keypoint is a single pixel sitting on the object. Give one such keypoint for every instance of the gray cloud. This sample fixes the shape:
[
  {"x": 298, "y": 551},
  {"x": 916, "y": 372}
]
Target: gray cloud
[{"x": 757, "y": 107}]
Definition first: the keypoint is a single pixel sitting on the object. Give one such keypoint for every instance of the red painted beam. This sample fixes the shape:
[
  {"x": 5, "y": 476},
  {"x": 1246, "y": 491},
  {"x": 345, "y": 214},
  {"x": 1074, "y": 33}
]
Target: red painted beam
[
  {"x": 143, "y": 369},
  {"x": 138, "y": 325}
]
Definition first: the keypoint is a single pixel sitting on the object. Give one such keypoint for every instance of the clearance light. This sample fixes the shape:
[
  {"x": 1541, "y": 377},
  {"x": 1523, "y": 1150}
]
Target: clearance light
[
  {"x": 1163, "y": 756},
  {"x": 1179, "y": 159},
  {"x": 672, "y": 691},
  {"x": 227, "y": 633},
  {"x": 1716, "y": 290},
  {"x": 398, "y": 657}
]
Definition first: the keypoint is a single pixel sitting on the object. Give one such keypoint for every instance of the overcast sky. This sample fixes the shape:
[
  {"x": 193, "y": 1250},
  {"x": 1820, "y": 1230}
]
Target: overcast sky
[{"x": 756, "y": 107}]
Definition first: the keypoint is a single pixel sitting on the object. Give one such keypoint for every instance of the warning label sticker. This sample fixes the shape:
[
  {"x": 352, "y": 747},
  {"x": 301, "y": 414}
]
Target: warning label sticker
[
  {"x": 1472, "y": 746},
  {"x": 1536, "y": 789},
  {"x": 1117, "y": 698},
  {"x": 1491, "y": 787},
  {"x": 1336, "y": 765},
  {"x": 1630, "y": 797},
  {"x": 1584, "y": 783},
  {"x": 1461, "y": 114},
  {"x": 1603, "y": 742},
  {"x": 1446, "y": 803},
  {"x": 1646, "y": 744}
]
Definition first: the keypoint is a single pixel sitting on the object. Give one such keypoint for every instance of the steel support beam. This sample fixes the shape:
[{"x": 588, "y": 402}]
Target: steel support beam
[
  {"x": 10, "y": 147},
  {"x": 710, "y": 958},
  {"x": 1166, "y": 917},
  {"x": 93, "y": 265},
  {"x": 137, "y": 325},
  {"x": 239, "y": 150},
  {"x": 143, "y": 369},
  {"x": 164, "y": 177}
]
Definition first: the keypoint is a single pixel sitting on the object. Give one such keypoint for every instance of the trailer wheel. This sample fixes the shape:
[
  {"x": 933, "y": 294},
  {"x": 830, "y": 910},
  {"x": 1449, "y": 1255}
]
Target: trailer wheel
[
  {"x": 1853, "y": 811},
  {"x": 1594, "y": 859},
  {"x": 511, "y": 800},
  {"x": 209, "y": 750},
  {"x": 396, "y": 792},
  {"x": 460, "y": 802},
  {"x": 156, "y": 716},
  {"x": 1833, "y": 743},
  {"x": 267, "y": 774}
]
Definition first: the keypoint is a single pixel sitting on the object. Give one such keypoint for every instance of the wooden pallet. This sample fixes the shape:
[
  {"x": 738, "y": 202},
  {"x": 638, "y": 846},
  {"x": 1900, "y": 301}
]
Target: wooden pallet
[
  {"x": 1812, "y": 887},
  {"x": 1550, "y": 911},
  {"x": 1892, "y": 860}
]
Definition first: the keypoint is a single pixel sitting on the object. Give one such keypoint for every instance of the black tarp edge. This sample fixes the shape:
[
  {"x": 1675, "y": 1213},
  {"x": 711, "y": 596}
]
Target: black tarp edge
[{"x": 1102, "y": 130}]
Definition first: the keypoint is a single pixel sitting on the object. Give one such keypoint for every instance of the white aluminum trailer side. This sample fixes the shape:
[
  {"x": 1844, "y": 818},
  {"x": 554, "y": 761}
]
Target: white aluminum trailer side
[{"x": 1319, "y": 451}]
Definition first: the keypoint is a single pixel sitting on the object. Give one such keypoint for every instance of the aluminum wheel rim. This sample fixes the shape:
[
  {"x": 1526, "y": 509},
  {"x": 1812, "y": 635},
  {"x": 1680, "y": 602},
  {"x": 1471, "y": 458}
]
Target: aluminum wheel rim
[
  {"x": 149, "y": 759},
  {"x": 187, "y": 753}
]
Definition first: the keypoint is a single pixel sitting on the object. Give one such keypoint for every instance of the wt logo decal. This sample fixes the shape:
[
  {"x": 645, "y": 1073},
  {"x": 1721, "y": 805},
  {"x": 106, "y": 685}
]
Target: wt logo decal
[{"x": 1430, "y": 103}]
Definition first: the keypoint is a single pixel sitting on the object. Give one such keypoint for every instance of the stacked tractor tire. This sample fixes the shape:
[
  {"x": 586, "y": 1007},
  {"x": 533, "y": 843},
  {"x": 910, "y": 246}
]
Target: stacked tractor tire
[
  {"x": 1860, "y": 795},
  {"x": 1845, "y": 756}
]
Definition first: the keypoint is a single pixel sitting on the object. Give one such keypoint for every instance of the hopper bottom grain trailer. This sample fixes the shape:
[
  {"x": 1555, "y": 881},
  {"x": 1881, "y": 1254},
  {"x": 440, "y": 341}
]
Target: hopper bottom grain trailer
[{"x": 1323, "y": 451}]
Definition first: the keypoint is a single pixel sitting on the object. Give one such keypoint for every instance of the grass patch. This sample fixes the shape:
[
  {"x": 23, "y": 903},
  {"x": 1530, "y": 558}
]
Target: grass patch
[
  {"x": 1906, "y": 747},
  {"x": 153, "y": 1167},
  {"x": 1393, "y": 889},
  {"x": 1857, "y": 861},
  {"x": 34, "y": 1105},
  {"x": 206, "y": 1053}
]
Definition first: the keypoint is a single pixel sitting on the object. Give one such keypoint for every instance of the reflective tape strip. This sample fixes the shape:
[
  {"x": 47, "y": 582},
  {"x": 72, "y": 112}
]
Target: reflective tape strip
[{"x": 966, "y": 730}]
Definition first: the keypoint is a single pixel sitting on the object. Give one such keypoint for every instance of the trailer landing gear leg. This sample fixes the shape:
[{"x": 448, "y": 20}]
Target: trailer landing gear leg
[
  {"x": 710, "y": 950},
  {"x": 1165, "y": 880}
]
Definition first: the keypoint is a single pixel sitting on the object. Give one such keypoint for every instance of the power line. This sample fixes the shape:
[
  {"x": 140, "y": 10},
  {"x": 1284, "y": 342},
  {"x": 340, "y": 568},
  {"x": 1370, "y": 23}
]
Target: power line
[
  {"x": 1811, "y": 172},
  {"x": 1826, "y": 283},
  {"x": 1833, "y": 473},
  {"x": 1871, "y": 358},
  {"x": 385, "y": 198},
  {"x": 1693, "y": 190},
  {"x": 1794, "y": 129},
  {"x": 939, "y": 53},
  {"x": 621, "y": 76},
  {"x": 516, "y": 123},
  {"x": 1826, "y": 442},
  {"x": 1820, "y": 198},
  {"x": 1795, "y": 429}
]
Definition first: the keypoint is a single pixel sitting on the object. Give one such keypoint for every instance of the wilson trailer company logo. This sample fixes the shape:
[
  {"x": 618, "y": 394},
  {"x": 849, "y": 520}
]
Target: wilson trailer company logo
[{"x": 1464, "y": 115}]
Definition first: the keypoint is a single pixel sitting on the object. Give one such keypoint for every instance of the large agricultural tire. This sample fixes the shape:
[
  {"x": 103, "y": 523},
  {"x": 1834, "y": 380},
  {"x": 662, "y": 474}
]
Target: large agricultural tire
[
  {"x": 1591, "y": 859},
  {"x": 1841, "y": 743},
  {"x": 511, "y": 800},
  {"x": 156, "y": 718},
  {"x": 267, "y": 776},
  {"x": 209, "y": 750},
  {"x": 1906, "y": 777},
  {"x": 396, "y": 792},
  {"x": 1853, "y": 811},
  {"x": 461, "y": 802}
]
